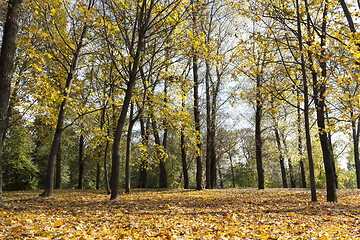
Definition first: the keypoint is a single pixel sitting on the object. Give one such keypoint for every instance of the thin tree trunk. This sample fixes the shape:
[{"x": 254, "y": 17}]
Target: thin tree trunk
[
  {"x": 58, "y": 168},
  {"x": 183, "y": 147},
  {"x": 291, "y": 170},
  {"x": 208, "y": 172},
  {"x": 319, "y": 93},
  {"x": 7, "y": 55},
  {"x": 258, "y": 140},
  {"x": 163, "y": 174},
  {"x": 81, "y": 162},
  {"x": 128, "y": 150},
  {"x": 49, "y": 183},
  {"x": 183, "y": 159},
  {"x": 232, "y": 170},
  {"x": 302, "y": 168},
  {"x": 144, "y": 162},
  {"x": 196, "y": 100},
  {"x": 197, "y": 125},
  {"x": 160, "y": 156},
  {"x": 98, "y": 175},
  {"x": 281, "y": 157},
  {"x": 106, "y": 175},
  {"x": 333, "y": 159},
  {"x": 306, "y": 102}
]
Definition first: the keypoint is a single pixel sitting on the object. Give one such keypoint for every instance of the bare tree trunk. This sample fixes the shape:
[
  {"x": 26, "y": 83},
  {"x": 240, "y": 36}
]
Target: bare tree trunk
[
  {"x": 319, "y": 93},
  {"x": 183, "y": 147},
  {"x": 232, "y": 170},
  {"x": 306, "y": 102},
  {"x": 128, "y": 150},
  {"x": 162, "y": 169},
  {"x": 208, "y": 172},
  {"x": 197, "y": 125},
  {"x": 302, "y": 168},
  {"x": 7, "y": 55},
  {"x": 355, "y": 136},
  {"x": 144, "y": 162},
  {"x": 258, "y": 140},
  {"x": 81, "y": 162},
  {"x": 58, "y": 168},
  {"x": 106, "y": 175},
  {"x": 281, "y": 157}
]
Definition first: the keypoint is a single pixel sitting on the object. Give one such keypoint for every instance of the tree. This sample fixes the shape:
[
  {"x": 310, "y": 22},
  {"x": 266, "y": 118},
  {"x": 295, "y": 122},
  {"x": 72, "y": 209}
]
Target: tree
[
  {"x": 71, "y": 70},
  {"x": 7, "y": 54}
]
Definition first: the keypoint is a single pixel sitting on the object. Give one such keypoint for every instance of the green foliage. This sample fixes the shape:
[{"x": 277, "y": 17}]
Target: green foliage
[{"x": 20, "y": 173}]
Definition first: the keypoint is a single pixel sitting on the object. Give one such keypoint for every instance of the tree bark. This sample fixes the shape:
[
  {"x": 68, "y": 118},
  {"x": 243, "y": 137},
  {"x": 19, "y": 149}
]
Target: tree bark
[
  {"x": 58, "y": 168},
  {"x": 306, "y": 101},
  {"x": 144, "y": 163},
  {"x": 302, "y": 169},
  {"x": 281, "y": 157},
  {"x": 208, "y": 172},
  {"x": 128, "y": 150},
  {"x": 258, "y": 140},
  {"x": 355, "y": 136},
  {"x": 106, "y": 175},
  {"x": 98, "y": 175},
  {"x": 183, "y": 147},
  {"x": 319, "y": 94},
  {"x": 7, "y": 55},
  {"x": 160, "y": 156},
  {"x": 232, "y": 170},
  {"x": 81, "y": 162},
  {"x": 197, "y": 124}
]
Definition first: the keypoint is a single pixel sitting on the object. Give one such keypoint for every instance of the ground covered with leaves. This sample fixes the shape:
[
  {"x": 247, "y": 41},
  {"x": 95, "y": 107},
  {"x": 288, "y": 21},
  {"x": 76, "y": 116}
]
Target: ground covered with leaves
[{"x": 180, "y": 214}]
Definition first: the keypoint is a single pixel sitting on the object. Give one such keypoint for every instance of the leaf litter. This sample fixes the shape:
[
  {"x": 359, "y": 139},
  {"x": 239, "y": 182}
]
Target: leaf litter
[{"x": 180, "y": 214}]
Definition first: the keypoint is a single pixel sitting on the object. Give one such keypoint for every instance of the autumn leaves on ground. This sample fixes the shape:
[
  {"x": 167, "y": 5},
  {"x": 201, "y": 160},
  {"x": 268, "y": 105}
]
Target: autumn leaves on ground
[{"x": 180, "y": 214}]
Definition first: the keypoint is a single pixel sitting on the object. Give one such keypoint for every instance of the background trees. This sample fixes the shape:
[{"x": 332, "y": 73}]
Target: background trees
[{"x": 235, "y": 87}]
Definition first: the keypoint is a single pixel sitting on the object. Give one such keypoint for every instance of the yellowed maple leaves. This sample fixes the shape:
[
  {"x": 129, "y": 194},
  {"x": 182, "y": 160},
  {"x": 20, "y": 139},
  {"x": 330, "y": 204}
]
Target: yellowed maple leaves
[{"x": 180, "y": 214}]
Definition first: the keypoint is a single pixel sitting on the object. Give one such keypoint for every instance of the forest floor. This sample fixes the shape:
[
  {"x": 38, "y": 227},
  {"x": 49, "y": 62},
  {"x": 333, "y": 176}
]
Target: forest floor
[{"x": 180, "y": 214}]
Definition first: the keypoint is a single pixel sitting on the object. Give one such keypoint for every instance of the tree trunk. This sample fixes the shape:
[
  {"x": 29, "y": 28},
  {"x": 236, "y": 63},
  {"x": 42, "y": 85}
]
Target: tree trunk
[
  {"x": 49, "y": 183},
  {"x": 333, "y": 158},
  {"x": 291, "y": 170},
  {"x": 128, "y": 150},
  {"x": 208, "y": 172},
  {"x": 58, "y": 168},
  {"x": 232, "y": 170},
  {"x": 196, "y": 100},
  {"x": 133, "y": 69},
  {"x": 355, "y": 136},
  {"x": 319, "y": 94},
  {"x": 7, "y": 55},
  {"x": 98, "y": 175},
  {"x": 81, "y": 162},
  {"x": 183, "y": 147},
  {"x": 302, "y": 169},
  {"x": 197, "y": 124},
  {"x": 258, "y": 140},
  {"x": 160, "y": 156},
  {"x": 144, "y": 162},
  {"x": 183, "y": 159},
  {"x": 281, "y": 157},
  {"x": 106, "y": 175},
  {"x": 306, "y": 101}
]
